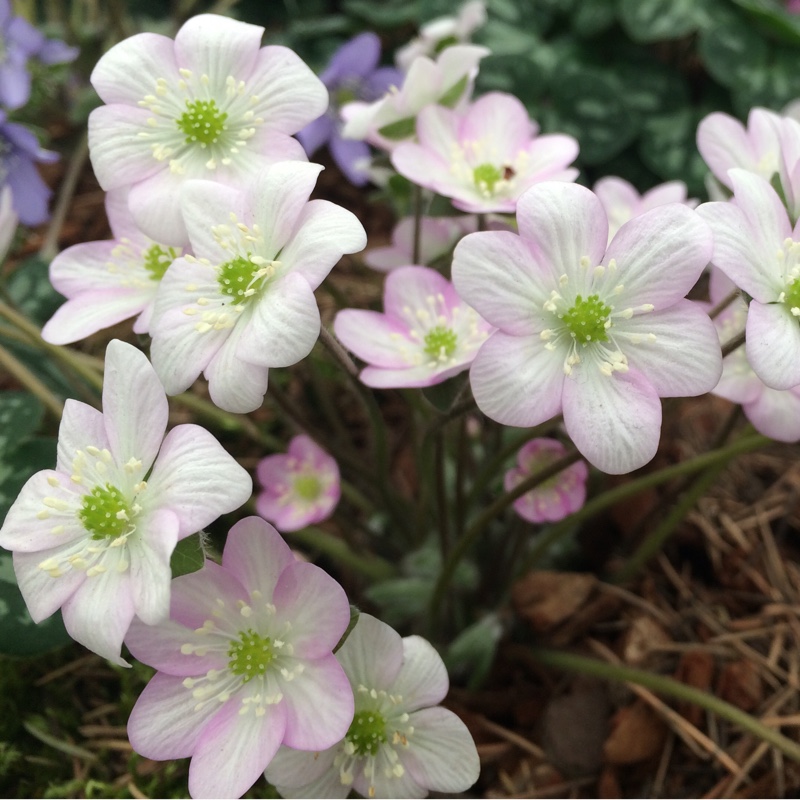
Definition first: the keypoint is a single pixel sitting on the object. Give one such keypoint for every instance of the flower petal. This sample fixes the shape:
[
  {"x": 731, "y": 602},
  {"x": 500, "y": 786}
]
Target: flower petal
[
  {"x": 423, "y": 680},
  {"x": 773, "y": 344},
  {"x": 42, "y": 593},
  {"x": 372, "y": 654},
  {"x": 371, "y": 336},
  {"x": 194, "y": 597},
  {"x": 776, "y": 414},
  {"x": 154, "y": 201},
  {"x": 320, "y": 779},
  {"x": 81, "y": 426}
]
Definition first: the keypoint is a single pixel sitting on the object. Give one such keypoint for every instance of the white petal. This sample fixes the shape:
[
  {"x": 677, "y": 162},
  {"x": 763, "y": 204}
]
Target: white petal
[
  {"x": 423, "y": 679},
  {"x": 773, "y": 344}
]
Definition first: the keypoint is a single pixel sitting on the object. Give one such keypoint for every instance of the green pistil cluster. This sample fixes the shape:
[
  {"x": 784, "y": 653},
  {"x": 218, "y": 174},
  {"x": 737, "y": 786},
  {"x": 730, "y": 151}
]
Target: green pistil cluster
[
  {"x": 486, "y": 177},
  {"x": 105, "y": 512},
  {"x": 157, "y": 260},
  {"x": 587, "y": 319},
  {"x": 792, "y": 295},
  {"x": 235, "y": 277},
  {"x": 440, "y": 341},
  {"x": 307, "y": 487},
  {"x": 202, "y": 122},
  {"x": 251, "y": 655},
  {"x": 367, "y": 732}
]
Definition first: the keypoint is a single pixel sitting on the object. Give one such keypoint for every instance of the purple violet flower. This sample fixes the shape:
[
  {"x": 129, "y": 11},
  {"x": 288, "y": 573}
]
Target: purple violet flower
[
  {"x": 353, "y": 74},
  {"x": 19, "y": 149}
]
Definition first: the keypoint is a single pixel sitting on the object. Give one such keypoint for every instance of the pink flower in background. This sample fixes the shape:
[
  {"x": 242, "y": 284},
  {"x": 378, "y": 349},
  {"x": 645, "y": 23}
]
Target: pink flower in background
[
  {"x": 622, "y": 202},
  {"x": 300, "y": 488},
  {"x": 246, "y": 302},
  {"x": 95, "y": 535},
  {"x": 211, "y": 104},
  {"x": 244, "y": 663},
  {"x": 438, "y": 236},
  {"x": 597, "y": 331},
  {"x": 757, "y": 248},
  {"x": 485, "y": 157},
  {"x": 556, "y": 498},
  {"x": 773, "y": 413},
  {"x": 425, "y": 335},
  {"x": 401, "y": 743},
  {"x": 108, "y": 282},
  {"x": 392, "y": 119}
]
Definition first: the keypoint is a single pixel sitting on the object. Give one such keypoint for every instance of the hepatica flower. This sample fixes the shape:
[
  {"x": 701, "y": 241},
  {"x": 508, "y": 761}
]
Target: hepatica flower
[
  {"x": 757, "y": 248},
  {"x": 353, "y": 74},
  {"x": 244, "y": 663},
  {"x": 245, "y": 301},
  {"x": 95, "y": 535},
  {"x": 597, "y": 332},
  {"x": 557, "y": 497},
  {"x": 486, "y": 157},
  {"x": 401, "y": 743},
  {"x": 425, "y": 335},
  {"x": 212, "y": 104},
  {"x": 107, "y": 282},
  {"x": 300, "y": 487}
]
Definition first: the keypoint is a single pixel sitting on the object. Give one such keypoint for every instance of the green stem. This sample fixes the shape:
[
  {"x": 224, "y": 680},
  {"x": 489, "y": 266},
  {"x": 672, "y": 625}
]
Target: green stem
[
  {"x": 441, "y": 493},
  {"x": 668, "y": 686},
  {"x": 724, "y": 303},
  {"x": 733, "y": 344},
  {"x": 474, "y": 531},
  {"x": 619, "y": 493},
  {"x": 371, "y": 566},
  {"x": 31, "y": 383}
]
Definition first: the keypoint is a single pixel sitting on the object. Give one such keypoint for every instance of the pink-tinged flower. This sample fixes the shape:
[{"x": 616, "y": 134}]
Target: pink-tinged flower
[
  {"x": 725, "y": 144},
  {"x": 485, "y": 157},
  {"x": 95, "y": 535},
  {"x": 212, "y": 104},
  {"x": 556, "y": 498},
  {"x": 622, "y": 202},
  {"x": 426, "y": 334},
  {"x": 447, "y": 81},
  {"x": 300, "y": 487},
  {"x": 246, "y": 302},
  {"x": 400, "y": 742},
  {"x": 594, "y": 331},
  {"x": 756, "y": 247},
  {"x": 245, "y": 664},
  {"x": 438, "y": 236},
  {"x": 108, "y": 282},
  {"x": 773, "y": 413},
  {"x": 442, "y": 32}
]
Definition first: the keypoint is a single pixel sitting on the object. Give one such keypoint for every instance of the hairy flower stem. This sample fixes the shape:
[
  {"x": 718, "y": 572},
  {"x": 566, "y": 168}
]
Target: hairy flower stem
[
  {"x": 733, "y": 344},
  {"x": 659, "y": 683},
  {"x": 724, "y": 303},
  {"x": 479, "y": 525},
  {"x": 619, "y": 493}
]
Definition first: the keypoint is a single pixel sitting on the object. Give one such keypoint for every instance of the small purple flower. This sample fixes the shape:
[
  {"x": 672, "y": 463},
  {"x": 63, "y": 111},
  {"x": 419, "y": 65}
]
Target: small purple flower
[
  {"x": 556, "y": 498},
  {"x": 301, "y": 487},
  {"x": 353, "y": 74},
  {"x": 19, "y": 149}
]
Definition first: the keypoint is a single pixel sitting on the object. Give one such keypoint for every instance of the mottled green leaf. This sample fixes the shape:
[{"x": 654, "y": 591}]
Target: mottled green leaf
[
  {"x": 188, "y": 556},
  {"x": 657, "y": 20},
  {"x": 20, "y": 415},
  {"x": 402, "y": 129}
]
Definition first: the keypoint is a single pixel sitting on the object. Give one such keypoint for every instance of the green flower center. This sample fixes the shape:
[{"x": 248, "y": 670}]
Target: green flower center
[
  {"x": 367, "y": 732},
  {"x": 486, "y": 177},
  {"x": 235, "y": 278},
  {"x": 792, "y": 295},
  {"x": 440, "y": 342},
  {"x": 157, "y": 260},
  {"x": 202, "y": 122},
  {"x": 587, "y": 319},
  {"x": 250, "y": 655},
  {"x": 105, "y": 513},
  {"x": 307, "y": 487}
]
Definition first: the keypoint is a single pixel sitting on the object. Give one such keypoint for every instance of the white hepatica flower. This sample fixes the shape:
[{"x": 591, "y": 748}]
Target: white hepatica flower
[{"x": 211, "y": 104}]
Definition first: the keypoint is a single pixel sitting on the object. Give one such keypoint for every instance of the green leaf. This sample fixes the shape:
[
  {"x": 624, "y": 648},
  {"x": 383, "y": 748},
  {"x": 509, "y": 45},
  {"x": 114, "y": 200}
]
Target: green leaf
[
  {"x": 20, "y": 636},
  {"x": 773, "y": 19},
  {"x": 20, "y": 416},
  {"x": 384, "y": 14},
  {"x": 30, "y": 288},
  {"x": 453, "y": 94},
  {"x": 594, "y": 17},
  {"x": 401, "y": 599},
  {"x": 188, "y": 556},
  {"x": 657, "y": 20},
  {"x": 472, "y": 652},
  {"x": 734, "y": 53},
  {"x": 442, "y": 395},
  {"x": 402, "y": 129}
]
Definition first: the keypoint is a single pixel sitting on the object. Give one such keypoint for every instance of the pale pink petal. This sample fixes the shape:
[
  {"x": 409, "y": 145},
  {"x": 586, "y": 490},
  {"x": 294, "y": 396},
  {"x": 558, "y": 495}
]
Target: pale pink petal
[
  {"x": 424, "y": 166},
  {"x": 371, "y": 336},
  {"x": 306, "y": 450},
  {"x": 83, "y": 267},
  {"x": 315, "y": 769},
  {"x": 135, "y": 408},
  {"x": 548, "y": 157},
  {"x": 42, "y": 593},
  {"x": 256, "y": 555},
  {"x": 120, "y": 218},
  {"x": 315, "y": 605},
  {"x": 194, "y": 597},
  {"x": 319, "y": 707},
  {"x": 685, "y": 359},
  {"x": 130, "y": 69},
  {"x": 773, "y": 344},
  {"x": 723, "y": 143},
  {"x": 81, "y": 426},
  {"x": 501, "y": 119},
  {"x": 412, "y": 287},
  {"x": 659, "y": 255},
  {"x": 614, "y": 421},
  {"x": 154, "y": 201},
  {"x": 234, "y": 749},
  {"x": 776, "y": 414},
  {"x": 196, "y": 479},
  {"x": 267, "y": 147},
  {"x": 410, "y": 377},
  {"x": 423, "y": 680},
  {"x": 369, "y": 637},
  {"x": 516, "y": 381},
  {"x": 323, "y": 232},
  {"x": 669, "y": 192},
  {"x": 207, "y": 205},
  {"x": 617, "y": 195}
]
